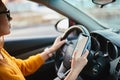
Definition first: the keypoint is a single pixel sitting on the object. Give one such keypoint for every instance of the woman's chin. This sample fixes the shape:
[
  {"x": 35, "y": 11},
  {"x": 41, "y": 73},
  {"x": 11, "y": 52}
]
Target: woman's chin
[{"x": 8, "y": 32}]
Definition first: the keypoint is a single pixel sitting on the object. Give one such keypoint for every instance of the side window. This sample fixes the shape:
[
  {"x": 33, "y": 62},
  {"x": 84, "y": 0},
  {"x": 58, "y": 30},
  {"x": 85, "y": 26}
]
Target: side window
[{"x": 31, "y": 19}]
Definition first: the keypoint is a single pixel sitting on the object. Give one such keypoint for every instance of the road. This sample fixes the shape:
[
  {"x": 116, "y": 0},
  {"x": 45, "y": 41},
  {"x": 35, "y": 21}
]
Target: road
[{"x": 42, "y": 30}]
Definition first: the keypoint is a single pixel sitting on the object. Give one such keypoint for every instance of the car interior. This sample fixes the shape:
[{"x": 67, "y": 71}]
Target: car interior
[{"x": 103, "y": 44}]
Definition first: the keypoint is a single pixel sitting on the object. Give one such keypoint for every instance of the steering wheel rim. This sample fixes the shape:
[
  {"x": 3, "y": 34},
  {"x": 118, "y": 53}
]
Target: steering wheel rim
[{"x": 61, "y": 68}]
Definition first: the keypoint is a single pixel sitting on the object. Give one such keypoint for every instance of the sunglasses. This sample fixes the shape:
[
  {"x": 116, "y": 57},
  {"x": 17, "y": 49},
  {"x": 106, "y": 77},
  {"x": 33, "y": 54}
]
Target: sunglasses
[{"x": 7, "y": 14}]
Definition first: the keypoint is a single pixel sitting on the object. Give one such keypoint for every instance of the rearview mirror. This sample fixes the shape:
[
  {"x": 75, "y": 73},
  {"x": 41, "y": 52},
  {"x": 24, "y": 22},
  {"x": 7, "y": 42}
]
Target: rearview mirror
[{"x": 103, "y": 2}]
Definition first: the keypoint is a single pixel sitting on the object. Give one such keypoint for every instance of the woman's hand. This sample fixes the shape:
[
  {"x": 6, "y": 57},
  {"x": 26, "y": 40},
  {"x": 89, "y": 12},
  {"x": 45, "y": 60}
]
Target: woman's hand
[
  {"x": 78, "y": 62},
  {"x": 48, "y": 52},
  {"x": 57, "y": 44}
]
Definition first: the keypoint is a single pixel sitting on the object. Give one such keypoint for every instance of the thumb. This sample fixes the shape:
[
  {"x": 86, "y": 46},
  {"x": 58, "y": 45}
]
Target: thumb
[{"x": 85, "y": 54}]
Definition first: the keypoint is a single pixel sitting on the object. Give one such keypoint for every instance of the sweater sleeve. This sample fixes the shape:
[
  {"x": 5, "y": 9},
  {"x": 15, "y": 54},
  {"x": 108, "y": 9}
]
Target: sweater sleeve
[{"x": 30, "y": 65}]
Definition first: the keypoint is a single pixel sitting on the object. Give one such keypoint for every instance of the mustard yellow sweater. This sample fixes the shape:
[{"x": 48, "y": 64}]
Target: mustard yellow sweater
[{"x": 15, "y": 69}]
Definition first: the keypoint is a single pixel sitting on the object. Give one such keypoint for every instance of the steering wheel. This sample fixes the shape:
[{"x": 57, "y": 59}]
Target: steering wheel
[{"x": 64, "y": 54}]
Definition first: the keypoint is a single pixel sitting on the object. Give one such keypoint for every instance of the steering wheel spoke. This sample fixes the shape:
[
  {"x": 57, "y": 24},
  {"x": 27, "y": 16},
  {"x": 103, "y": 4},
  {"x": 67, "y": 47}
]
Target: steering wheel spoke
[{"x": 61, "y": 71}]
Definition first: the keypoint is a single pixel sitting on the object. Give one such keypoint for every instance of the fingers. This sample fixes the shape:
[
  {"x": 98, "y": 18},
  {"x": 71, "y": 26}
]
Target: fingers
[
  {"x": 85, "y": 54},
  {"x": 74, "y": 54},
  {"x": 59, "y": 39},
  {"x": 63, "y": 41}
]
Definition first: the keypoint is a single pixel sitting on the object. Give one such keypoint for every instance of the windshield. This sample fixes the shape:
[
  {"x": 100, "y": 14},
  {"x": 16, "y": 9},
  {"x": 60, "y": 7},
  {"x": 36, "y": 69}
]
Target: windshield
[{"x": 108, "y": 16}]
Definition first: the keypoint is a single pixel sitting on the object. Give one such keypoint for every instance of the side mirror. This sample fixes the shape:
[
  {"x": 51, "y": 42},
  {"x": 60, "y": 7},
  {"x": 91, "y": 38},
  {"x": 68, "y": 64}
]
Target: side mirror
[
  {"x": 62, "y": 25},
  {"x": 103, "y": 2}
]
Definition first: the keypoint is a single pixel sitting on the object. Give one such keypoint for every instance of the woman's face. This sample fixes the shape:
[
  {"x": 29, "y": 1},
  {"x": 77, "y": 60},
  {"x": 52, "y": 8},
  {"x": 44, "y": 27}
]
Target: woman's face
[{"x": 4, "y": 20}]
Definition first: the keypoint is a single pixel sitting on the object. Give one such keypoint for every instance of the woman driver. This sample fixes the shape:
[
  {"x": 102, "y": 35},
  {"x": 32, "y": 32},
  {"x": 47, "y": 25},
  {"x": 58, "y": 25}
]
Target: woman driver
[{"x": 12, "y": 68}]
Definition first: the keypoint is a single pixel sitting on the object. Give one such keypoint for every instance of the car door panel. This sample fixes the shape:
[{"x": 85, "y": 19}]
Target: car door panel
[{"x": 21, "y": 46}]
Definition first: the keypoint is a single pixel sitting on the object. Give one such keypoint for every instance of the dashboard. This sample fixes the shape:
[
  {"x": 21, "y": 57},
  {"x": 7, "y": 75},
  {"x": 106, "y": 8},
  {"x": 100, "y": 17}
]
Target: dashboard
[
  {"x": 105, "y": 46},
  {"x": 103, "y": 51}
]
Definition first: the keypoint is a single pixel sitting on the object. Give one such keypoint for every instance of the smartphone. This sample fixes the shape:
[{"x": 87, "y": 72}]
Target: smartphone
[{"x": 81, "y": 44}]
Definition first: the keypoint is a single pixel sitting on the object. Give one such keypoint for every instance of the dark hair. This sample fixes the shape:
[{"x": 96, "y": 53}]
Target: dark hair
[{"x": 2, "y": 6}]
